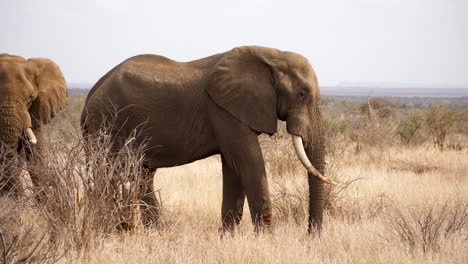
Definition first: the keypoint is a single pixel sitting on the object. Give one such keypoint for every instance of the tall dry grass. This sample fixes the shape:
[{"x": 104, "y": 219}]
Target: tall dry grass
[{"x": 407, "y": 206}]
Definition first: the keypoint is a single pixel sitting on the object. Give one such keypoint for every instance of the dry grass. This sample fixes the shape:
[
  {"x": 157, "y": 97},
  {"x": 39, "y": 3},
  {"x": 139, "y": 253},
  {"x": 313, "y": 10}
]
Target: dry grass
[{"x": 409, "y": 207}]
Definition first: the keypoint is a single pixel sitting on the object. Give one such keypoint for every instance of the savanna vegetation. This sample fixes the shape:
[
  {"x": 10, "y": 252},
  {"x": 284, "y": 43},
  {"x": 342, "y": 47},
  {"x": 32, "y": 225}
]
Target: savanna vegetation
[{"x": 402, "y": 196}]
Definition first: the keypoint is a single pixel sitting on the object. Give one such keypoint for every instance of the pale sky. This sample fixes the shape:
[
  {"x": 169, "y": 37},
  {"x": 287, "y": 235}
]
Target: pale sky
[{"x": 383, "y": 41}]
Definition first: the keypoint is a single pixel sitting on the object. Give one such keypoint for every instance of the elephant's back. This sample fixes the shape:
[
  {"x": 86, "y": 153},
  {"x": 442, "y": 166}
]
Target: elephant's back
[
  {"x": 158, "y": 72},
  {"x": 161, "y": 98}
]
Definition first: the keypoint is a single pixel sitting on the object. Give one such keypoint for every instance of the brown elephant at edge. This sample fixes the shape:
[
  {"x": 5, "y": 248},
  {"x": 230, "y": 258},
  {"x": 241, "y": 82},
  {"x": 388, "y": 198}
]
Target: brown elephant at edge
[
  {"x": 216, "y": 105},
  {"x": 31, "y": 93}
]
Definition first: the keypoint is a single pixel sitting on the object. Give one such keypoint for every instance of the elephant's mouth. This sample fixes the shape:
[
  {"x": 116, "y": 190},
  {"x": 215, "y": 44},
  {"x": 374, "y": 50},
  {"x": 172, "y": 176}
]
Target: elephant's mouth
[
  {"x": 301, "y": 154},
  {"x": 11, "y": 141}
]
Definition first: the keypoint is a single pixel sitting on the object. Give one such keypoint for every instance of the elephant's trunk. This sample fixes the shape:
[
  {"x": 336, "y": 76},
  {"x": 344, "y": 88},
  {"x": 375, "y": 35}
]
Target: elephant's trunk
[
  {"x": 315, "y": 150},
  {"x": 15, "y": 122},
  {"x": 11, "y": 129},
  {"x": 316, "y": 199}
]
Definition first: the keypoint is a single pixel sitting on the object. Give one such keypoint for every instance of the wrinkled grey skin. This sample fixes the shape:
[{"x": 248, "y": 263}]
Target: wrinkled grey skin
[
  {"x": 215, "y": 105},
  {"x": 31, "y": 93}
]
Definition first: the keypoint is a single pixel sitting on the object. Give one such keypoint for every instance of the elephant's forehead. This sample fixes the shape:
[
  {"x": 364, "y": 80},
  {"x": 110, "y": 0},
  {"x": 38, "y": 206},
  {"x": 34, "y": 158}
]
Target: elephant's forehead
[
  {"x": 299, "y": 64},
  {"x": 11, "y": 71},
  {"x": 12, "y": 58},
  {"x": 12, "y": 77}
]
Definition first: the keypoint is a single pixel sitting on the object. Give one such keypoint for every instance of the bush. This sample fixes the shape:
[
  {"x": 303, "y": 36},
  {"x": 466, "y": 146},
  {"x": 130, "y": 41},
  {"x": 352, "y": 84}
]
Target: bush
[
  {"x": 89, "y": 190},
  {"x": 378, "y": 108},
  {"x": 463, "y": 121},
  {"x": 439, "y": 119},
  {"x": 410, "y": 127},
  {"x": 423, "y": 227},
  {"x": 373, "y": 129},
  {"x": 289, "y": 204},
  {"x": 335, "y": 126},
  {"x": 25, "y": 236}
]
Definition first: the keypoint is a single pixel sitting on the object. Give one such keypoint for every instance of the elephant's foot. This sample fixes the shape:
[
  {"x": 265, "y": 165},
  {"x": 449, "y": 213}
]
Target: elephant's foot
[
  {"x": 150, "y": 208},
  {"x": 231, "y": 220},
  {"x": 225, "y": 232},
  {"x": 150, "y": 211},
  {"x": 263, "y": 222},
  {"x": 151, "y": 216}
]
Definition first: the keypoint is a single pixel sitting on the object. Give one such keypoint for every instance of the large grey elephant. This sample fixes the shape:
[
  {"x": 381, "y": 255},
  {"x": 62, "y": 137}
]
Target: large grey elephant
[
  {"x": 216, "y": 105},
  {"x": 31, "y": 93}
]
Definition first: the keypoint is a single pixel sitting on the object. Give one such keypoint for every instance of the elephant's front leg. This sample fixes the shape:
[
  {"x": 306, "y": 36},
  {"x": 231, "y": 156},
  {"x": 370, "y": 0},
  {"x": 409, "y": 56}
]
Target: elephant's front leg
[
  {"x": 233, "y": 198},
  {"x": 241, "y": 151},
  {"x": 248, "y": 164}
]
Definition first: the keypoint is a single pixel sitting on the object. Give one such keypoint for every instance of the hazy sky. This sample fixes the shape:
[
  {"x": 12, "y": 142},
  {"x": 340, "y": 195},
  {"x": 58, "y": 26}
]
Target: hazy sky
[{"x": 405, "y": 41}]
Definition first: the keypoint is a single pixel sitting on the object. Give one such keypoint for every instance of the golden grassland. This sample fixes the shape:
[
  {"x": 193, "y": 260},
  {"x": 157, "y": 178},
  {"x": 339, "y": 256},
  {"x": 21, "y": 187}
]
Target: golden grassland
[
  {"x": 363, "y": 231},
  {"x": 394, "y": 204}
]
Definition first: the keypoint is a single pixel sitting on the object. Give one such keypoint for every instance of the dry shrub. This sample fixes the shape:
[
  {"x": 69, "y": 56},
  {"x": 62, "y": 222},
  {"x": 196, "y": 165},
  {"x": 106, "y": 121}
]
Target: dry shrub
[
  {"x": 289, "y": 205},
  {"x": 341, "y": 201},
  {"x": 24, "y": 236},
  {"x": 88, "y": 190},
  {"x": 338, "y": 203},
  {"x": 423, "y": 227},
  {"x": 415, "y": 167},
  {"x": 373, "y": 128},
  {"x": 344, "y": 203},
  {"x": 378, "y": 107},
  {"x": 456, "y": 146},
  {"x": 9, "y": 165},
  {"x": 92, "y": 189}
]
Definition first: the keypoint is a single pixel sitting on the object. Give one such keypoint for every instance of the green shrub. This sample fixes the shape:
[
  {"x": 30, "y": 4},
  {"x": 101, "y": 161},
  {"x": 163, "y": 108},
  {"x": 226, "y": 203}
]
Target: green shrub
[
  {"x": 439, "y": 119},
  {"x": 410, "y": 127}
]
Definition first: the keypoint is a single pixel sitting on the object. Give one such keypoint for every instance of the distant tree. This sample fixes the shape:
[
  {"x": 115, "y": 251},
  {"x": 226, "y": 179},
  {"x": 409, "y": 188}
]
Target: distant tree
[
  {"x": 463, "y": 121},
  {"x": 409, "y": 105},
  {"x": 373, "y": 124},
  {"x": 439, "y": 119},
  {"x": 380, "y": 107},
  {"x": 410, "y": 126}
]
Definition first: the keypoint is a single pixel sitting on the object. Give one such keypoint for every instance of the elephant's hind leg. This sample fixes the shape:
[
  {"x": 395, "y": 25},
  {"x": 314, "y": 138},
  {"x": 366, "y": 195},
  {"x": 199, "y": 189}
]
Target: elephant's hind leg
[
  {"x": 233, "y": 198},
  {"x": 149, "y": 206}
]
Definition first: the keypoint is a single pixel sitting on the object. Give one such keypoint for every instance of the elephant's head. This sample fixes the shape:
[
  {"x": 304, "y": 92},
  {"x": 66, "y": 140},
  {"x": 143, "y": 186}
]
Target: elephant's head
[
  {"x": 31, "y": 93},
  {"x": 260, "y": 85}
]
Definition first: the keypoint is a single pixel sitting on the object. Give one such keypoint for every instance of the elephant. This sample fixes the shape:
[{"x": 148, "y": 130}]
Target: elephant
[
  {"x": 216, "y": 105},
  {"x": 31, "y": 93}
]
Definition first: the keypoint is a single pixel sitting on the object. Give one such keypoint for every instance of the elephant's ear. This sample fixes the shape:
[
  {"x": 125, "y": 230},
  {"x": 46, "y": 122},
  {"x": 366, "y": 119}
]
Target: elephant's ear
[
  {"x": 243, "y": 83},
  {"x": 52, "y": 91}
]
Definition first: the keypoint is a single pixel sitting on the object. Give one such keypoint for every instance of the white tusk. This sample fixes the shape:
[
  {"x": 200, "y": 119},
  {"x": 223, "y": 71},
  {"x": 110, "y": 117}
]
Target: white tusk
[
  {"x": 299, "y": 147},
  {"x": 31, "y": 136}
]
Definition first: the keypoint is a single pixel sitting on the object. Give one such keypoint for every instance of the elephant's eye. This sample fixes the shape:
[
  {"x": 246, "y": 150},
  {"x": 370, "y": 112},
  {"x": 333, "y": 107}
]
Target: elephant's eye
[{"x": 302, "y": 94}]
